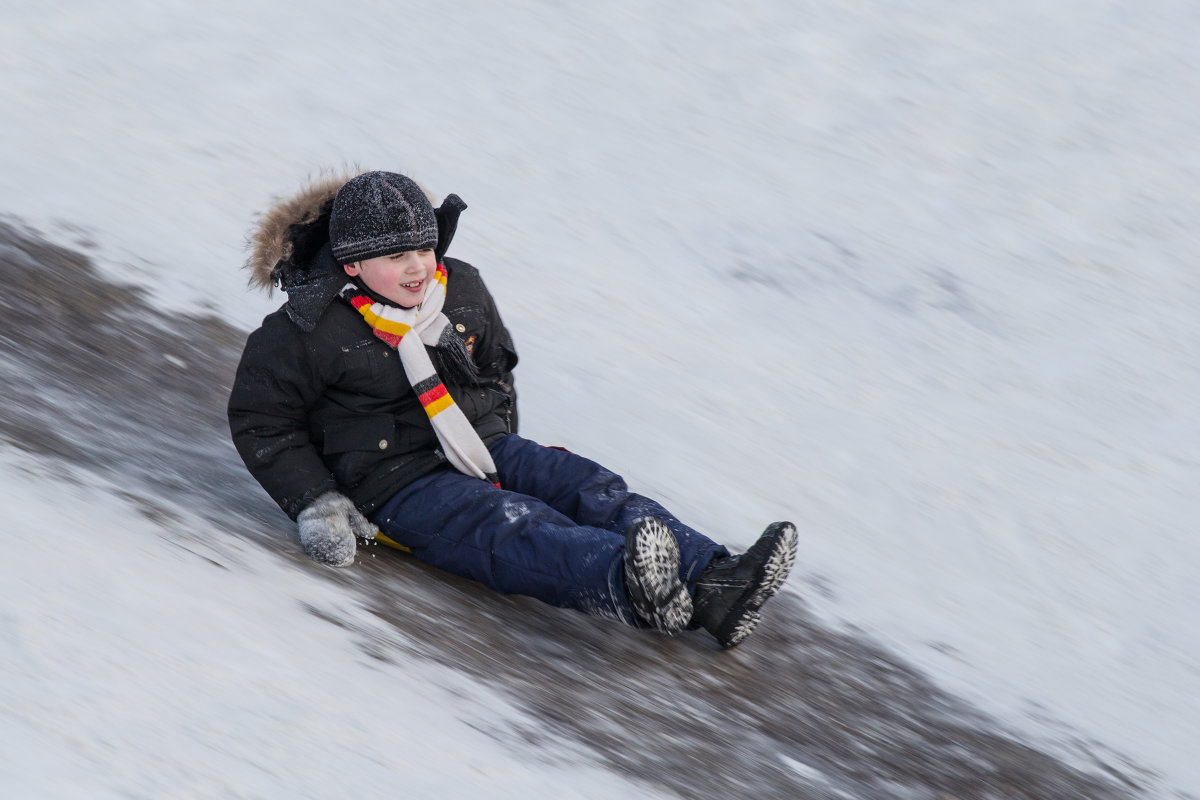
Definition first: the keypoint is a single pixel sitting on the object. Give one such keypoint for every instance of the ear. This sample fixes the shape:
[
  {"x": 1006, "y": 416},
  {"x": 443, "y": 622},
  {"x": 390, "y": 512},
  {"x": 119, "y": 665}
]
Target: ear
[{"x": 351, "y": 269}]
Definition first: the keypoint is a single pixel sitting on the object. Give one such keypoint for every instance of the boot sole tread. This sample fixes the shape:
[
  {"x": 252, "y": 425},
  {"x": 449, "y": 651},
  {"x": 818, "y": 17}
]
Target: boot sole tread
[
  {"x": 775, "y": 570},
  {"x": 653, "y": 565}
]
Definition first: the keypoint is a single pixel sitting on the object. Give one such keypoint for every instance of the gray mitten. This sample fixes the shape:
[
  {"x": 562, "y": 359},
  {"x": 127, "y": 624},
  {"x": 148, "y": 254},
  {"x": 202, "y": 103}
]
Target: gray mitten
[{"x": 328, "y": 526}]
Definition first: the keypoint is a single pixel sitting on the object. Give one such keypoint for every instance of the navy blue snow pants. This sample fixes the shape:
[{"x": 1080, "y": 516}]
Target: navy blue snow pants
[{"x": 556, "y": 531}]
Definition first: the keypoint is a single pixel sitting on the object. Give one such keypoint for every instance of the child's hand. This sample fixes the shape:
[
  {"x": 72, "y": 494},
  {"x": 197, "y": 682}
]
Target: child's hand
[{"x": 327, "y": 529}]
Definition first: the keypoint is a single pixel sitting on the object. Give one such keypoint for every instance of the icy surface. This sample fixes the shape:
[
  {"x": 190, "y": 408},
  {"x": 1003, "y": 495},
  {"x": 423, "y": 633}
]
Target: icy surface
[{"x": 919, "y": 276}]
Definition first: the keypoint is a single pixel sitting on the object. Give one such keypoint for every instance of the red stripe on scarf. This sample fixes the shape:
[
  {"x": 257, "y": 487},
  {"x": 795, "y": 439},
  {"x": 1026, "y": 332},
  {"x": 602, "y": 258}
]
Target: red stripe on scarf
[
  {"x": 392, "y": 339},
  {"x": 434, "y": 394}
]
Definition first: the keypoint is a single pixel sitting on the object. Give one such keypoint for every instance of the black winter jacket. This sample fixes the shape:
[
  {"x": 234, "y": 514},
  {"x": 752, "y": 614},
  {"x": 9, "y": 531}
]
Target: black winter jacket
[{"x": 320, "y": 403}]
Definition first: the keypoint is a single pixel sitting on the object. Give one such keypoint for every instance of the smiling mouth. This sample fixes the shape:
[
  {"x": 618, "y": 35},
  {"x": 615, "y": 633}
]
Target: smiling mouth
[{"x": 412, "y": 285}]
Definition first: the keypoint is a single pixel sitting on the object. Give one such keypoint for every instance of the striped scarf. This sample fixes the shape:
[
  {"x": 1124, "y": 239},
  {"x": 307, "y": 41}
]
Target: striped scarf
[{"x": 461, "y": 444}]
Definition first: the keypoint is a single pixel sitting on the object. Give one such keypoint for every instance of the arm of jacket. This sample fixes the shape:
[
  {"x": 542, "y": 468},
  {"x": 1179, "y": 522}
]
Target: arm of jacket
[
  {"x": 275, "y": 385},
  {"x": 494, "y": 352}
]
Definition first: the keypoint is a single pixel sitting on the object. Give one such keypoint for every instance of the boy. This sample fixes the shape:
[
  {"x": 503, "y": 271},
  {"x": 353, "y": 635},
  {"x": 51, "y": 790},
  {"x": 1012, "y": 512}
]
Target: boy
[{"x": 378, "y": 402}]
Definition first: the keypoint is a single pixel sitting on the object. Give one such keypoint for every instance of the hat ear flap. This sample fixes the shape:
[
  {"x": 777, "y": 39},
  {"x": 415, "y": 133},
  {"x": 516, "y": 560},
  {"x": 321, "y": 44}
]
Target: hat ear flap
[{"x": 447, "y": 223}]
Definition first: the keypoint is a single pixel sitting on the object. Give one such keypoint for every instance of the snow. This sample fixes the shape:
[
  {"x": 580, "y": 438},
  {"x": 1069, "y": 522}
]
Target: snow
[
  {"x": 155, "y": 664},
  {"x": 918, "y": 276}
]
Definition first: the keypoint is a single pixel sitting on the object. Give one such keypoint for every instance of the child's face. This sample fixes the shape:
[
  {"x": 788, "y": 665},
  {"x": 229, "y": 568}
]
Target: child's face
[{"x": 401, "y": 277}]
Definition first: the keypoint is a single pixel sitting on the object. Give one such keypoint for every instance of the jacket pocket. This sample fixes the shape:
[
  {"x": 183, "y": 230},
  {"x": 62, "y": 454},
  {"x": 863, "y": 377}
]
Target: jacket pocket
[
  {"x": 374, "y": 432},
  {"x": 362, "y": 361}
]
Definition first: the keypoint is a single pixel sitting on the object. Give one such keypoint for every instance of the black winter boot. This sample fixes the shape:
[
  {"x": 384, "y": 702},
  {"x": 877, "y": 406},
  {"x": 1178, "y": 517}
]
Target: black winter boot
[
  {"x": 657, "y": 595},
  {"x": 732, "y": 589}
]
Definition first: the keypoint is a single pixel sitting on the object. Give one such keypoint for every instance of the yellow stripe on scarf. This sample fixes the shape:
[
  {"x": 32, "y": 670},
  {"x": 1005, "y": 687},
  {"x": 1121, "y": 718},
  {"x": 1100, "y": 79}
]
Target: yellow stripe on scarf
[
  {"x": 439, "y": 405},
  {"x": 385, "y": 325}
]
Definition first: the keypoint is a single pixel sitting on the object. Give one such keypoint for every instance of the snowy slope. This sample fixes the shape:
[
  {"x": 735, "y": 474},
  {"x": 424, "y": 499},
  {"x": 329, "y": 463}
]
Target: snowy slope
[
  {"x": 917, "y": 276},
  {"x": 150, "y": 664}
]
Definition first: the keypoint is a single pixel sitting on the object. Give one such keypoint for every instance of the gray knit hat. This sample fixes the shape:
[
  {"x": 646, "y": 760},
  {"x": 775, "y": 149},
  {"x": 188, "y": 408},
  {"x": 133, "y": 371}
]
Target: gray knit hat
[{"x": 378, "y": 214}]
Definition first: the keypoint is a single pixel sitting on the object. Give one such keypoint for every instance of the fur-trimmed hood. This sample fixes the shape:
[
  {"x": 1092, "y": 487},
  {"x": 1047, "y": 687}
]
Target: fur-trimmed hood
[
  {"x": 302, "y": 219},
  {"x": 290, "y": 246}
]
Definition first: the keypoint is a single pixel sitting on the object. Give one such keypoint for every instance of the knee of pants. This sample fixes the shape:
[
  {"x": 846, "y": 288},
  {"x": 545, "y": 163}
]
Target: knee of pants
[{"x": 601, "y": 497}]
